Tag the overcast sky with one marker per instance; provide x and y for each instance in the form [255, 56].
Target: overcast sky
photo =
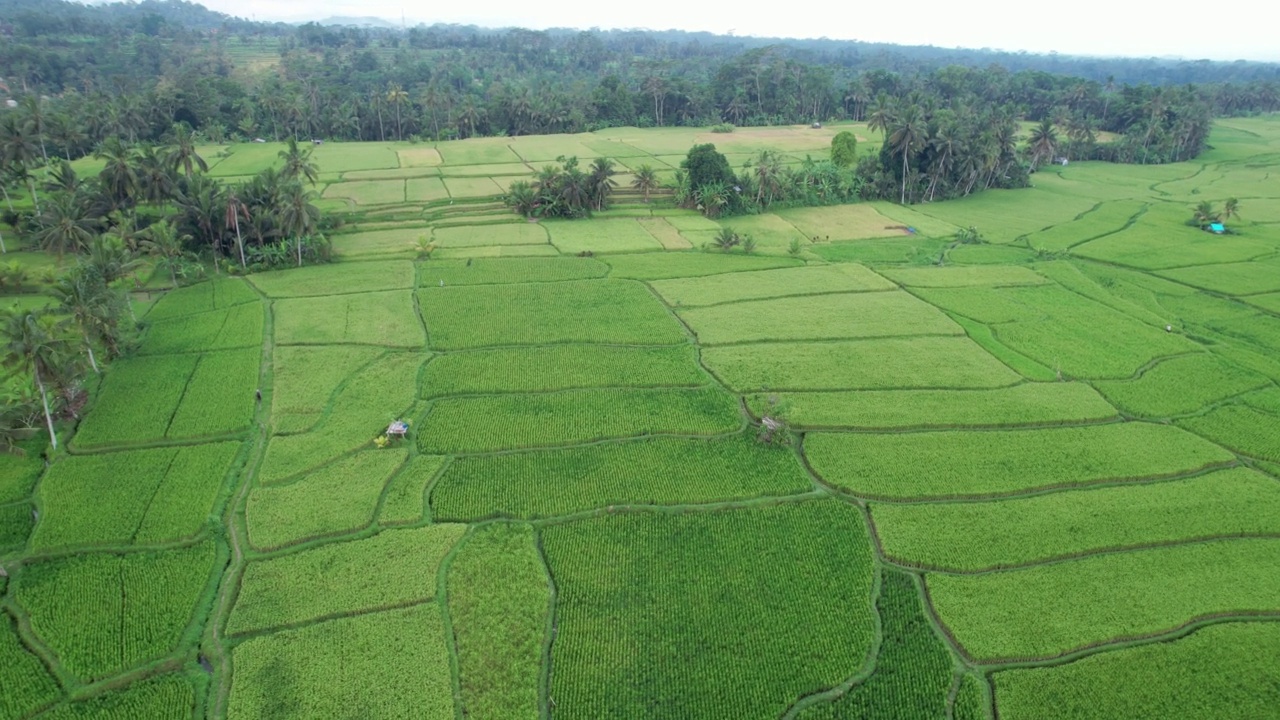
[1140, 28]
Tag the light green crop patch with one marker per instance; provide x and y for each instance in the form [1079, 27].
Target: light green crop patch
[1047, 610]
[383, 664]
[764, 284]
[381, 318]
[339, 578]
[998, 462]
[1014, 531]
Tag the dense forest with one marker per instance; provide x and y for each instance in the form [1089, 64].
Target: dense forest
[76, 76]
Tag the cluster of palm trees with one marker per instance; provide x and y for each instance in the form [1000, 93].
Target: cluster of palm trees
[50, 345]
[568, 190]
[768, 181]
[240, 221]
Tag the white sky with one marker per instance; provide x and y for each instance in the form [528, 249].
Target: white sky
[1142, 28]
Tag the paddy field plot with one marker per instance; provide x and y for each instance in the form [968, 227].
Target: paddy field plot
[913, 250]
[1247, 278]
[601, 236]
[1103, 219]
[973, 536]
[1227, 666]
[1024, 404]
[656, 266]
[768, 230]
[484, 235]
[498, 271]
[1181, 385]
[880, 364]
[657, 471]
[838, 222]
[472, 187]
[341, 278]
[386, 319]
[818, 317]
[368, 192]
[200, 298]
[238, 326]
[762, 284]
[307, 376]
[425, 190]
[583, 311]
[1047, 610]
[375, 665]
[777, 600]
[561, 367]
[987, 463]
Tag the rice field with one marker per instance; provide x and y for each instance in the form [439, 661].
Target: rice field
[884, 475]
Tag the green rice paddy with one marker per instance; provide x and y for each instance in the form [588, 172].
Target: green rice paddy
[1030, 478]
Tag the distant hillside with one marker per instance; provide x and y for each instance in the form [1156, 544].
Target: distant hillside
[364, 22]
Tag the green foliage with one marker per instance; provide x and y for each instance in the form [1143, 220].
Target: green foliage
[561, 367]
[825, 317]
[763, 284]
[570, 417]
[981, 275]
[16, 522]
[1047, 610]
[167, 697]
[19, 473]
[706, 166]
[339, 578]
[103, 613]
[383, 664]
[984, 463]
[777, 600]
[1025, 404]
[219, 396]
[380, 318]
[918, 362]
[133, 496]
[658, 471]
[498, 603]
[1218, 671]
[601, 311]
[486, 271]
[337, 498]
[405, 499]
[976, 536]
[27, 684]
[912, 675]
[366, 404]
[844, 149]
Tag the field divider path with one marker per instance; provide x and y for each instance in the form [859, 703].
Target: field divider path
[545, 702]
[214, 644]
[451, 641]
[237, 638]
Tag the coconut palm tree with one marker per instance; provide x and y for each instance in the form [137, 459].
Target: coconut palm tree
[156, 178]
[33, 345]
[298, 217]
[1043, 142]
[81, 296]
[183, 153]
[1231, 209]
[601, 182]
[64, 226]
[523, 198]
[908, 137]
[18, 153]
[646, 180]
[165, 244]
[236, 209]
[37, 121]
[298, 164]
[119, 179]
[396, 95]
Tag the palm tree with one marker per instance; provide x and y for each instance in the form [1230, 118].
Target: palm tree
[164, 243]
[768, 176]
[18, 153]
[81, 296]
[601, 182]
[396, 96]
[908, 136]
[155, 176]
[37, 121]
[523, 198]
[63, 226]
[1043, 141]
[1231, 209]
[298, 217]
[236, 209]
[183, 153]
[1205, 214]
[882, 112]
[646, 180]
[298, 164]
[119, 179]
[32, 344]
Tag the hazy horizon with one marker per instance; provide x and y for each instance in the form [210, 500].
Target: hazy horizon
[1091, 28]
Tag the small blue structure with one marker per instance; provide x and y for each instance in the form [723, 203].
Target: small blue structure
[1217, 228]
